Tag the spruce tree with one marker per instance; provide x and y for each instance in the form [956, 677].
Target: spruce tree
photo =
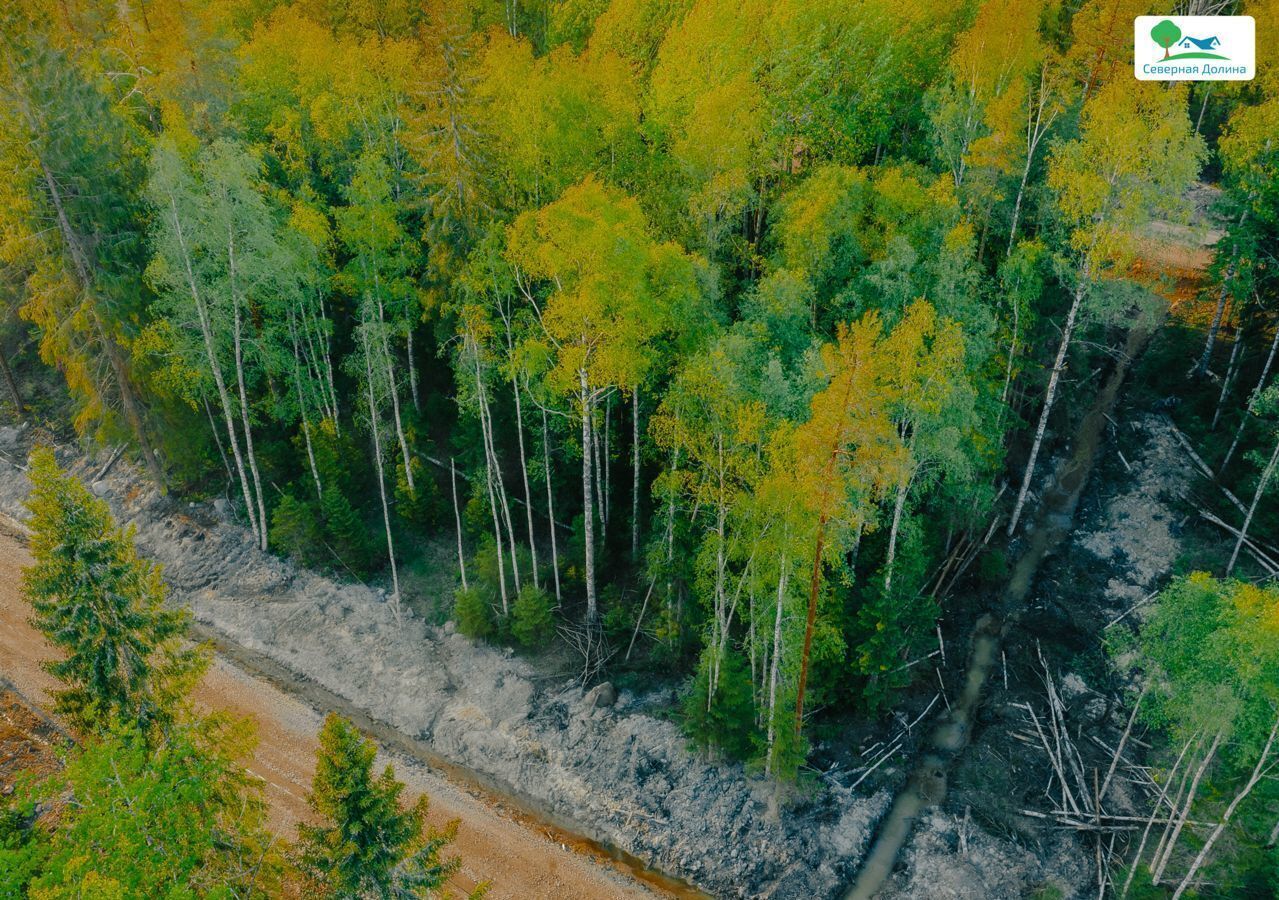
[367, 844]
[102, 605]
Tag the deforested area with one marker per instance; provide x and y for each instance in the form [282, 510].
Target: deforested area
[631, 448]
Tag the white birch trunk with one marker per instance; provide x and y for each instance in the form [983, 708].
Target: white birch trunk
[1206, 849]
[902, 490]
[1058, 366]
[381, 475]
[387, 362]
[1252, 508]
[588, 489]
[457, 520]
[215, 366]
[550, 505]
[1252, 401]
[775, 667]
[1185, 809]
[528, 494]
[244, 399]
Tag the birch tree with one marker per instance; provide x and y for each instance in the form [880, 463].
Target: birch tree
[221, 265]
[602, 290]
[1136, 157]
[379, 274]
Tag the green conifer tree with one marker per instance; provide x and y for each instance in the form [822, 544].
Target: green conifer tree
[102, 605]
[367, 844]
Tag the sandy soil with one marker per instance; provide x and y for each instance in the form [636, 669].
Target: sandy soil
[518, 859]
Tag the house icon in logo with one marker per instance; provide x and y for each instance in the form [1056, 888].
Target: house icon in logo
[1189, 43]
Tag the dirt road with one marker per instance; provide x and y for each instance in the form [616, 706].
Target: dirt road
[519, 859]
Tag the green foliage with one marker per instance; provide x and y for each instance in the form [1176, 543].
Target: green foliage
[367, 843]
[177, 818]
[1211, 648]
[22, 855]
[297, 530]
[423, 505]
[725, 719]
[532, 620]
[474, 613]
[102, 605]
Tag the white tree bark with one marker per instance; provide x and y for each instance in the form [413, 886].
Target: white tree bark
[1206, 849]
[588, 489]
[1185, 809]
[528, 495]
[388, 363]
[237, 344]
[381, 475]
[550, 505]
[1058, 366]
[1252, 401]
[1163, 793]
[215, 367]
[775, 667]
[457, 520]
[1252, 508]
[902, 490]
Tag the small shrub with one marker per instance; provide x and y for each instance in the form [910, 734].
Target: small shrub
[295, 530]
[727, 723]
[347, 536]
[473, 613]
[532, 622]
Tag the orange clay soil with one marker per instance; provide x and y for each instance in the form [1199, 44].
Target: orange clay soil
[520, 859]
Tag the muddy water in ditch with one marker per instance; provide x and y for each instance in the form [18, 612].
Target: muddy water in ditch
[927, 784]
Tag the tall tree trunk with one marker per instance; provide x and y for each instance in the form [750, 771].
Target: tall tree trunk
[1252, 402]
[528, 495]
[1058, 366]
[1021, 190]
[302, 405]
[608, 463]
[588, 489]
[1206, 356]
[381, 474]
[124, 385]
[215, 367]
[395, 399]
[1252, 508]
[408, 348]
[15, 395]
[550, 505]
[635, 473]
[213, 429]
[1185, 809]
[1206, 849]
[813, 589]
[237, 328]
[457, 519]
[1155, 810]
[1228, 382]
[902, 490]
[775, 666]
[499, 484]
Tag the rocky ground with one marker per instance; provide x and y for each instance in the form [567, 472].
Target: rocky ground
[617, 774]
[1127, 536]
[609, 771]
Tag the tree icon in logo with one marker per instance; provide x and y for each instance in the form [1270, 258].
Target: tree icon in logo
[1165, 34]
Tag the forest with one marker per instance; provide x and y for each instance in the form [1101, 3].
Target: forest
[725, 346]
